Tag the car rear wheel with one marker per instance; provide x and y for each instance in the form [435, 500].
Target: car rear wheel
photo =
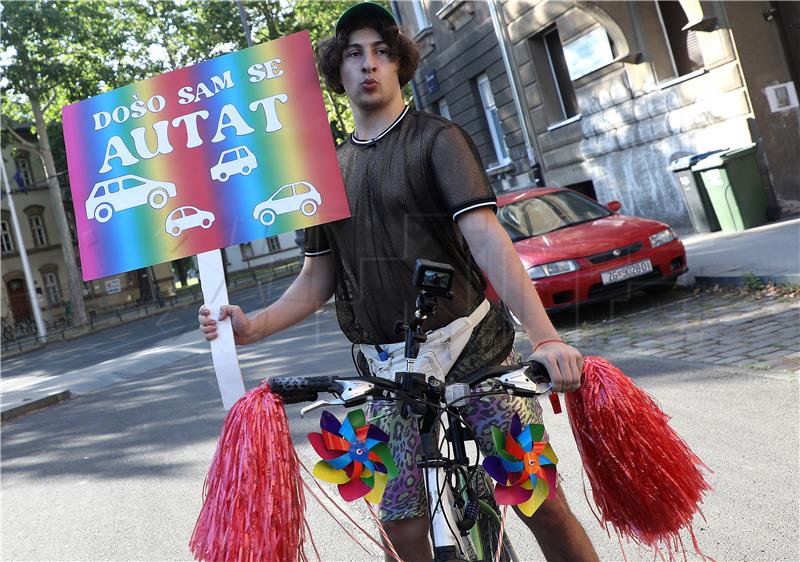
[309, 207]
[103, 212]
[175, 231]
[267, 217]
[246, 170]
[158, 198]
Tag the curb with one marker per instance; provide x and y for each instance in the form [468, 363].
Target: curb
[35, 405]
[743, 281]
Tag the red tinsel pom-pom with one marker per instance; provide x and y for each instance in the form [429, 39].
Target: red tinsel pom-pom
[254, 504]
[646, 481]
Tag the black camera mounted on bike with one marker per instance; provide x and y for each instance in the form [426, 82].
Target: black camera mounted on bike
[435, 280]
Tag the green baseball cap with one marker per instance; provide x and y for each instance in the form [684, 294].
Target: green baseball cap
[363, 10]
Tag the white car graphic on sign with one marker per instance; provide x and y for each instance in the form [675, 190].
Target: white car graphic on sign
[299, 196]
[125, 192]
[237, 160]
[187, 217]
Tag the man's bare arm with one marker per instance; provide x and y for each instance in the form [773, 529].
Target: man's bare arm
[313, 287]
[495, 254]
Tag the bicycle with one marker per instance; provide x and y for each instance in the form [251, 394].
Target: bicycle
[465, 521]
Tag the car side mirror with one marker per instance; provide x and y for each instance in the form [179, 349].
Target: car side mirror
[613, 206]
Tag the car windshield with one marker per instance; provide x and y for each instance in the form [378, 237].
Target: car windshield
[546, 213]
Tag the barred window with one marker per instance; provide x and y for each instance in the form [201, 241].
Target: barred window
[273, 244]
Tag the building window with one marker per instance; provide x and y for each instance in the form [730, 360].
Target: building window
[38, 231]
[444, 110]
[493, 119]
[24, 167]
[555, 84]
[6, 240]
[682, 45]
[273, 244]
[52, 288]
[247, 250]
[420, 15]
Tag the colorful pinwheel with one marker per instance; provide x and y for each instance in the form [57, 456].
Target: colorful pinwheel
[355, 456]
[525, 469]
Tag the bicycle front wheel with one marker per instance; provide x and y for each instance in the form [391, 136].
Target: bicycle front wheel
[487, 529]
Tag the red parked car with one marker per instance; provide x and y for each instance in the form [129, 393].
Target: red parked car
[577, 251]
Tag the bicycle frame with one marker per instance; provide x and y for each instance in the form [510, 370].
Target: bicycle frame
[424, 398]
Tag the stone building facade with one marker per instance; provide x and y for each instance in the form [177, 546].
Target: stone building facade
[42, 243]
[601, 96]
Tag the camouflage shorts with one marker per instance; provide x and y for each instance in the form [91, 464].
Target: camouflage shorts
[405, 496]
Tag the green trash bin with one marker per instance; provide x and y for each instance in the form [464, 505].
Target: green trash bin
[734, 186]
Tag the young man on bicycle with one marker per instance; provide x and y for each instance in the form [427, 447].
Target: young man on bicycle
[417, 189]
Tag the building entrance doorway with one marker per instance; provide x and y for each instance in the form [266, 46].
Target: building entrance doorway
[18, 299]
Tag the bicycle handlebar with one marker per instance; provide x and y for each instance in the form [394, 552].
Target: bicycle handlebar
[305, 389]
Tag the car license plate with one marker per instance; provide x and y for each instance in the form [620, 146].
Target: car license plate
[626, 272]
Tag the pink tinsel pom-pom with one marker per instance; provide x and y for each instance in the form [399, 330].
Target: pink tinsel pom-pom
[254, 504]
[646, 481]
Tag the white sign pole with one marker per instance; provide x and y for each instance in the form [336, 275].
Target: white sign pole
[41, 330]
[223, 348]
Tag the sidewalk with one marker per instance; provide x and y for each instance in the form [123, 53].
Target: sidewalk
[770, 252]
[24, 394]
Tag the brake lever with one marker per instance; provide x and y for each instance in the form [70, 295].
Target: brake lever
[519, 380]
[355, 389]
[320, 404]
[352, 392]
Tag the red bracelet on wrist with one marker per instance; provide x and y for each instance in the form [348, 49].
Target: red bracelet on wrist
[541, 343]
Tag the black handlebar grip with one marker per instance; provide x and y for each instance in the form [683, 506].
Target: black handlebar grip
[302, 389]
[537, 372]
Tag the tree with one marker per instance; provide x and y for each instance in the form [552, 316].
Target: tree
[57, 53]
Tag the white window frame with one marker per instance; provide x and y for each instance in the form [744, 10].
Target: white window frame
[24, 167]
[419, 13]
[38, 231]
[6, 239]
[273, 244]
[52, 288]
[444, 109]
[490, 111]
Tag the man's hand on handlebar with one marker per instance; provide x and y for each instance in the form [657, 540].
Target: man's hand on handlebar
[563, 362]
[243, 327]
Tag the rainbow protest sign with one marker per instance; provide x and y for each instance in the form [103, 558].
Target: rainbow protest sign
[216, 154]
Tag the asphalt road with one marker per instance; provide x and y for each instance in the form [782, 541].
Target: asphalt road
[130, 337]
[118, 474]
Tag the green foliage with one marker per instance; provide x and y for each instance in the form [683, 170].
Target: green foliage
[61, 52]
[65, 51]
[752, 282]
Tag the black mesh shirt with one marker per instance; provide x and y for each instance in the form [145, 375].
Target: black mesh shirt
[405, 188]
